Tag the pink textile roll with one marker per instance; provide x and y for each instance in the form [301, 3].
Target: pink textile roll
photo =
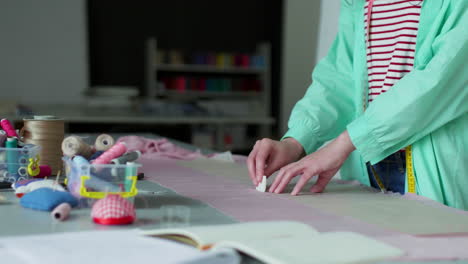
[8, 127]
[44, 171]
[61, 212]
[114, 152]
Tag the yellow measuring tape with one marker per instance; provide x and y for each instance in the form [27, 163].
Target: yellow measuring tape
[378, 180]
[410, 171]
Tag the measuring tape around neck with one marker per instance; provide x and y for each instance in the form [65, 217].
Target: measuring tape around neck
[409, 170]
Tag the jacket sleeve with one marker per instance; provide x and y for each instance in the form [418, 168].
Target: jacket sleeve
[318, 116]
[427, 98]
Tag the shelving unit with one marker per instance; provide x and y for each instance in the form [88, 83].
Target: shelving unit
[259, 101]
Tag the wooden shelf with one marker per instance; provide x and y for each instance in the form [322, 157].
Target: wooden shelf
[206, 94]
[257, 100]
[81, 114]
[208, 69]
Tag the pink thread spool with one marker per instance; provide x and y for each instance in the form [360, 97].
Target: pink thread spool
[44, 171]
[114, 152]
[9, 129]
[61, 212]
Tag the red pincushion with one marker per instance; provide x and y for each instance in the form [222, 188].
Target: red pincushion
[113, 210]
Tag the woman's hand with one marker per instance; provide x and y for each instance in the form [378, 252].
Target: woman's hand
[325, 163]
[267, 156]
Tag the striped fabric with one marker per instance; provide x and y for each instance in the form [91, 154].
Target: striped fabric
[391, 43]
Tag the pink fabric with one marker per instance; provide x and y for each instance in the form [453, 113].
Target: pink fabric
[158, 148]
[429, 248]
[244, 203]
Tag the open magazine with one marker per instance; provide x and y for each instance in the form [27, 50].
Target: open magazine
[281, 242]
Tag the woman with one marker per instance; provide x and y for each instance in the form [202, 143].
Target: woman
[397, 92]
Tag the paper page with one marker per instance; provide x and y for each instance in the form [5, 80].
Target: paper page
[7, 257]
[208, 235]
[105, 247]
[333, 247]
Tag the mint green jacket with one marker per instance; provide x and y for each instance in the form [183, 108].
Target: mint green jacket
[428, 108]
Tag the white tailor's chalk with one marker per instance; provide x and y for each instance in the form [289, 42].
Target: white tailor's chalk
[261, 187]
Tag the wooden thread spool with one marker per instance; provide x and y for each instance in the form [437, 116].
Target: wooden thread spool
[46, 132]
[104, 142]
[74, 145]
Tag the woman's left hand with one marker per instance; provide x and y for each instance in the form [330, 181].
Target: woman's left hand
[324, 163]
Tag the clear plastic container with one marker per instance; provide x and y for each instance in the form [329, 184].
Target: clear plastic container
[19, 163]
[97, 181]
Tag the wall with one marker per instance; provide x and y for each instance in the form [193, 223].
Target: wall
[309, 29]
[328, 27]
[43, 50]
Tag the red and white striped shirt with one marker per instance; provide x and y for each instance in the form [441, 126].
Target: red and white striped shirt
[391, 43]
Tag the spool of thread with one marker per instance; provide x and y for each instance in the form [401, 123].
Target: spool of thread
[12, 156]
[44, 171]
[130, 171]
[127, 157]
[2, 157]
[44, 117]
[94, 183]
[80, 161]
[3, 175]
[96, 155]
[80, 165]
[61, 212]
[74, 145]
[9, 129]
[48, 133]
[22, 171]
[115, 151]
[23, 160]
[104, 142]
[3, 138]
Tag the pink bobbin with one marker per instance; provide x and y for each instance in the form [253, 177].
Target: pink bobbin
[44, 171]
[61, 212]
[9, 129]
[114, 152]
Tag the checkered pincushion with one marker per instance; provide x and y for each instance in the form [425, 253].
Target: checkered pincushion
[113, 210]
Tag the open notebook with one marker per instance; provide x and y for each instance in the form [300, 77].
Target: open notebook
[281, 242]
[103, 247]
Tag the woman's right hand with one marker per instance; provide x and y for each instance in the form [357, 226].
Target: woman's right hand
[268, 156]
